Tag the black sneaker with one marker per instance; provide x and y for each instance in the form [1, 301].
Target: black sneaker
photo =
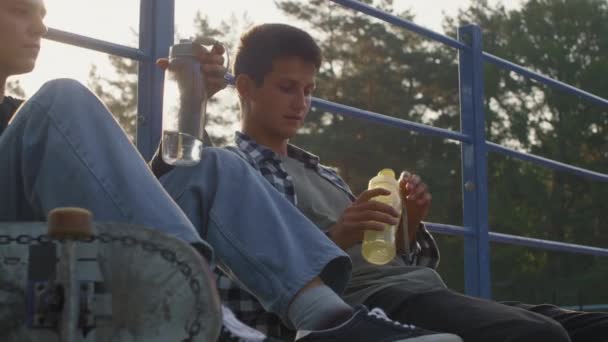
[234, 330]
[374, 326]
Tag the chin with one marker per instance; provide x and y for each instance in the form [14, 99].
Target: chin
[289, 134]
[24, 67]
[29, 67]
[21, 71]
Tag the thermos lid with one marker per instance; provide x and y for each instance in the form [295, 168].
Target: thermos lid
[185, 48]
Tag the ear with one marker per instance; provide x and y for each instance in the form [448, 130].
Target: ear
[244, 85]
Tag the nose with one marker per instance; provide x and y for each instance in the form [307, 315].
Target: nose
[301, 100]
[38, 28]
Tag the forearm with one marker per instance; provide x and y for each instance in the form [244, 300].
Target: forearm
[400, 239]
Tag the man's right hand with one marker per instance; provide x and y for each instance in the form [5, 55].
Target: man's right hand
[363, 214]
[212, 66]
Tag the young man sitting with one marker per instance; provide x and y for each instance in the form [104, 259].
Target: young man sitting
[275, 68]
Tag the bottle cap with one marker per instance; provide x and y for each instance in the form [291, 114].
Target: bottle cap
[387, 173]
[386, 177]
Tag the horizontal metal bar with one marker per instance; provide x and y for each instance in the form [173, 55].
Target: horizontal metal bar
[397, 21]
[387, 120]
[380, 118]
[447, 229]
[520, 240]
[95, 44]
[596, 176]
[502, 63]
[493, 147]
[548, 245]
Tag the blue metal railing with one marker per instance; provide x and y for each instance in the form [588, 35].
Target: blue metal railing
[474, 148]
[474, 165]
[503, 64]
[156, 35]
[95, 44]
[389, 120]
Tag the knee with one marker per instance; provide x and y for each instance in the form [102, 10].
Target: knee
[214, 162]
[52, 95]
[225, 159]
[220, 153]
[64, 92]
[545, 330]
[556, 332]
[65, 87]
[70, 100]
[60, 94]
[520, 325]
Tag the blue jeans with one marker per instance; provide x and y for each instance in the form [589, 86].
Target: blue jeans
[63, 148]
[254, 230]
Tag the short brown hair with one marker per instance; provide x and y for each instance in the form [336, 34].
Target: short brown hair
[263, 44]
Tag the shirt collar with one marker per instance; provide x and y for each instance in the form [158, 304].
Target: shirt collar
[246, 143]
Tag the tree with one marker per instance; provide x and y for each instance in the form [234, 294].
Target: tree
[566, 40]
[119, 93]
[14, 88]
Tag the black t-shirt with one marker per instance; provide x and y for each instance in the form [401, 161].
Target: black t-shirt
[7, 109]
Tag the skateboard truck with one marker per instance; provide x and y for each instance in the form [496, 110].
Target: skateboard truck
[124, 283]
[60, 299]
[47, 305]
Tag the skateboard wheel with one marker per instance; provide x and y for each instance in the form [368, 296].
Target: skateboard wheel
[70, 223]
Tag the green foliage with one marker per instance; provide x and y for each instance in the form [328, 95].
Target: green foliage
[119, 93]
[566, 40]
[13, 88]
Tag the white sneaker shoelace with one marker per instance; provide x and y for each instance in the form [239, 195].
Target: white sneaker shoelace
[379, 313]
[239, 329]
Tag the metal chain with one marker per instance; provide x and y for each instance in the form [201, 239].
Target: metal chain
[192, 329]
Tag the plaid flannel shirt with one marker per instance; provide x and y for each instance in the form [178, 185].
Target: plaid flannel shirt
[424, 251]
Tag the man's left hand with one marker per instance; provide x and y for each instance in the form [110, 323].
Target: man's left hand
[416, 201]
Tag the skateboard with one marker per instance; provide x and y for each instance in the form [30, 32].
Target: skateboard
[71, 280]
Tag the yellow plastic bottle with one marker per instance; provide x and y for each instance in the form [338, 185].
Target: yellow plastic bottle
[379, 246]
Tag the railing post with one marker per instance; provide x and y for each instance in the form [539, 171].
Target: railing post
[156, 29]
[474, 164]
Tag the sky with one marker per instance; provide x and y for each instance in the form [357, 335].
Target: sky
[117, 20]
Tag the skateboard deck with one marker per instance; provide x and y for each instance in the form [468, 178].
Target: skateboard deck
[123, 283]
